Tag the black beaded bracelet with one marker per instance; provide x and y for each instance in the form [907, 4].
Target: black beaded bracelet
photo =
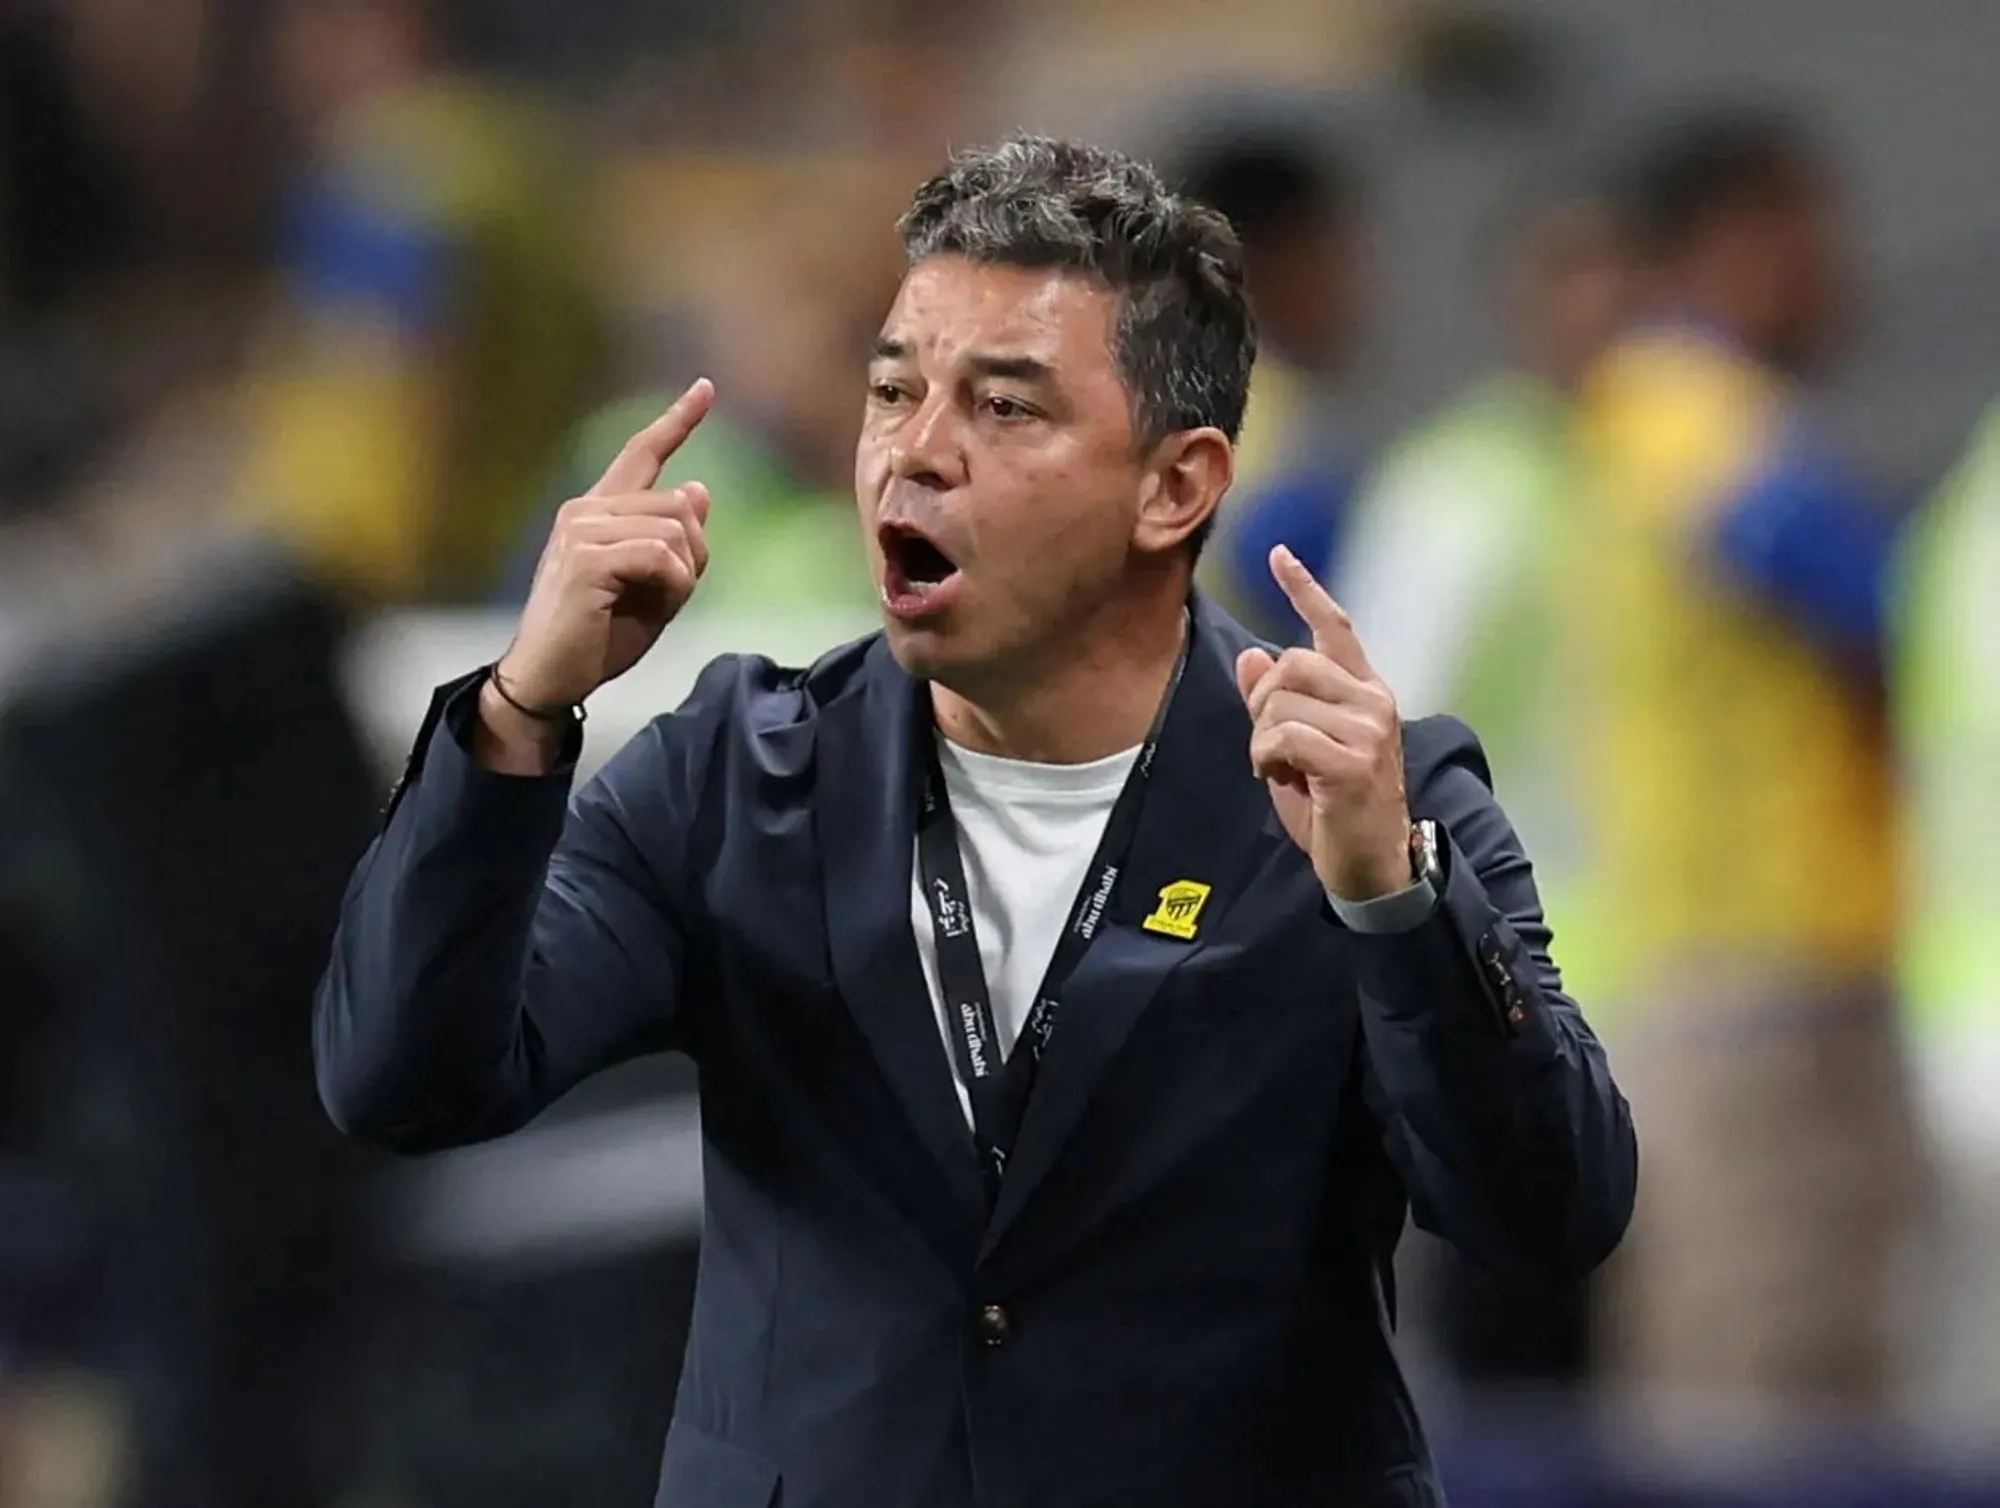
[573, 713]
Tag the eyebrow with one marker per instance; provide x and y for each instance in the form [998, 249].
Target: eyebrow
[985, 364]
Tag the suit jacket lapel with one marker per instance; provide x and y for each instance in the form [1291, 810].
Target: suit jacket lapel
[1207, 819]
[865, 814]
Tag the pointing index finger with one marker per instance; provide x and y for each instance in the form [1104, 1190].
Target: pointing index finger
[637, 466]
[1332, 630]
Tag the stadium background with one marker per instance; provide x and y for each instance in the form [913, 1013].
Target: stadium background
[310, 309]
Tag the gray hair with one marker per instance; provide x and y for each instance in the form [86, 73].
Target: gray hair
[1184, 340]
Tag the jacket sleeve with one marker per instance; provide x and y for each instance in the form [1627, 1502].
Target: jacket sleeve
[500, 941]
[1496, 1101]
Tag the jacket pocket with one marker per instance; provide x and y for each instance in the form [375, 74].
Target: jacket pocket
[702, 1471]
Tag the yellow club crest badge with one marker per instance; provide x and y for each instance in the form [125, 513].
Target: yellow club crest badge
[1179, 911]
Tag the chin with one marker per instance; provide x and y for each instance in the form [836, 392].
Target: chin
[926, 653]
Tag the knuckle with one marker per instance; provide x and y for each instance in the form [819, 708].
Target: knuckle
[1296, 664]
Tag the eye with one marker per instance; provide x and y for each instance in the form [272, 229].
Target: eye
[887, 394]
[1000, 406]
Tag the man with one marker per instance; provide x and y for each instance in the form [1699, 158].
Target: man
[1142, 1256]
[1740, 790]
[1945, 680]
[1295, 211]
[1478, 503]
[429, 276]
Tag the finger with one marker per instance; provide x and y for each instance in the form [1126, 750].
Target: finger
[1251, 667]
[1294, 752]
[1310, 672]
[684, 534]
[639, 562]
[638, 465]
[1357, 728]
[690, 499]
[1332, 630]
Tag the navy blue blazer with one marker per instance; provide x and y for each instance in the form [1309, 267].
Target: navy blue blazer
[1182, 1298]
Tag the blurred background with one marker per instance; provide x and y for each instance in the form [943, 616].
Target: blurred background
[1627, 364]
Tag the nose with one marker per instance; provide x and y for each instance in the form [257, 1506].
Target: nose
[926, 448]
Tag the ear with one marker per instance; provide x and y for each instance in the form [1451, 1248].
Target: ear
[1186, 477]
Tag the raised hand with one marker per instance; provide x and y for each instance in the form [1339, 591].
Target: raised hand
[621, 561]
[1327, 739]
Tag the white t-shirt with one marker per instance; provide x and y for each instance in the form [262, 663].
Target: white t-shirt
[1026, 833]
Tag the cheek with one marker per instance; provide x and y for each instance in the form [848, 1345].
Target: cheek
[1062, 525]
[871, 468]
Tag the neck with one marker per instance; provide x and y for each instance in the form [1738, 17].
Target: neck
[1096, 695]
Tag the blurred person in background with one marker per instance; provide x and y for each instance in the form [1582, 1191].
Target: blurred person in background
[1296, 206]
[440, 336]
[1731, 601]
[1947, 701]
[1478, 503]
[1945, 680]
[129, 197]
[1459, 552]
[807, 299]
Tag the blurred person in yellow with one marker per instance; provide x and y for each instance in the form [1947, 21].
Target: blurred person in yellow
[439, 334]
[1295, 207]
[1730, 600]
[1459, 549]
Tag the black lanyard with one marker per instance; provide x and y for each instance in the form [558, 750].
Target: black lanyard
[1000, 1090]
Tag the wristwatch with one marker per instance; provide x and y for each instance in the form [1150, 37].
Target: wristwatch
[1429, 855]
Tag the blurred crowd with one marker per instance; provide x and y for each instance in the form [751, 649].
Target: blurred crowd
[381, 282]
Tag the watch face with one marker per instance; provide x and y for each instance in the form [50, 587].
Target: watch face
[1427, 853]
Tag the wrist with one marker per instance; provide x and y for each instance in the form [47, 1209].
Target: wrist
[510, 741]
[1391, 871]
[537, 695]
[1357, 886]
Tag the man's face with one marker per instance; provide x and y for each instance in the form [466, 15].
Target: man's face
[331, 53]
[1775, 267]
[1572, 291]
[1305, 283]
[1802, 277]
[996, 474]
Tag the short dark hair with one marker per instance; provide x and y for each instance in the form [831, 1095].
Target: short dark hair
[1269, 182]
[1184, 341]
[1694, 169]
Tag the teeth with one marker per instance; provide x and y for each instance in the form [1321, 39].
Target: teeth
[907, 589]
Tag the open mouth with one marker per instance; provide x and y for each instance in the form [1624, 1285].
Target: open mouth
[917, 575]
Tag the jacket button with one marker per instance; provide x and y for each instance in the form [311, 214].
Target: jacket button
[993, 1326]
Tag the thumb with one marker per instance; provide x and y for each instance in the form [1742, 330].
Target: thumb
[1251, 667]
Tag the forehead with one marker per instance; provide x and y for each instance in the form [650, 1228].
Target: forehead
[951, 308]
